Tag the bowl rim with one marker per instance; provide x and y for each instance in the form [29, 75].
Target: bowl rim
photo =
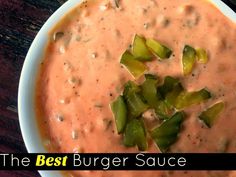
[26, 88]
[225, 9]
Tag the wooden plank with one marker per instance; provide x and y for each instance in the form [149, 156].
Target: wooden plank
[20, 22]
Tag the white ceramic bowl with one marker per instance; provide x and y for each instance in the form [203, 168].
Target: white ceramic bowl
[27, 84]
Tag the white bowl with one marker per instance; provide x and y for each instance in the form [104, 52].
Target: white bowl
[27, 85]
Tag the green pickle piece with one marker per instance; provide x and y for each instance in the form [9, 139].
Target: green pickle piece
[130, 87]
[172, 88]
[169, 84]
[166, 134]
[163, 110]
[119, 110]
[188, 59]
[135, 67]
[149, 90]
[135, 101]
[135, 134]
[158, 49]
[202, 55]
[172, 96]
[140, 50]
[186, 99]
[136, 105]
[210, 115]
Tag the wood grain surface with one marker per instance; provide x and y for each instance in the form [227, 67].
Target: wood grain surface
[20, 20]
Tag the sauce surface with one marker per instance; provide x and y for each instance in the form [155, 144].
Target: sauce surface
[80, 75]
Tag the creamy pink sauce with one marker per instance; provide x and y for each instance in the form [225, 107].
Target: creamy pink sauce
[81, 74]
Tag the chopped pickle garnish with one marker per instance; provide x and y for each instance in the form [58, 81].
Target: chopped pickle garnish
[169, 83]
[135, 134]
[119, 110]
[149, 90]
[140, 50]
[163, 110]
[165, 99]
[172, 96]
[130, 87]
[134, 99]
[166, 134]
[210, 115]
[201, 55]
[158, 49]
[151, 76]
[135, 67]
[188, 59]
[136, 105]
[186, 99]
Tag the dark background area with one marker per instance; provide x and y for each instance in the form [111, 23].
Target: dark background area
[20, 20]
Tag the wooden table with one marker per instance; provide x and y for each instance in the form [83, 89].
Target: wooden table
[20, 20]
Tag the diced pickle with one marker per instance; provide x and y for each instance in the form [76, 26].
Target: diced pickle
[166, 134]
[172, 96]
[135, 101]
[119, 110]
[158, 49]
[201, 55]
[130, 87]
[135, 134]
[186, 99]
[140, 50]
[210, 115]
[163, 110]
[149, 90]
[135, 67]
[188, 59]
[151, 76]
[136, 105]
[169, 84]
